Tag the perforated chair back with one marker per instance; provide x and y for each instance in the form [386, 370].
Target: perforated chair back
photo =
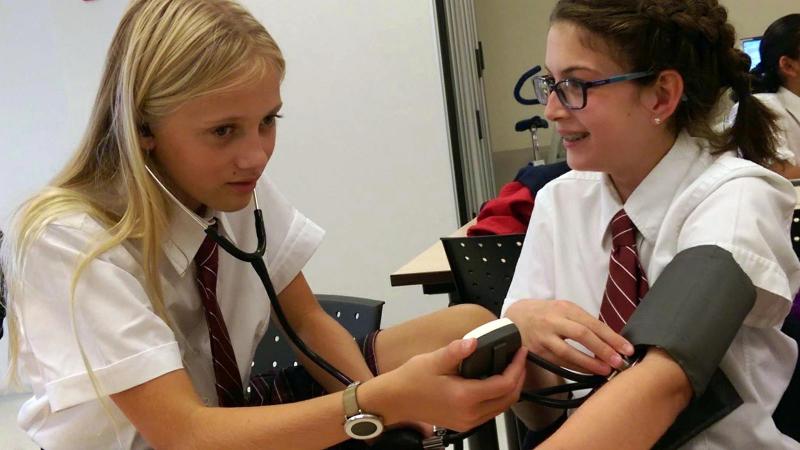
[795, 232]
[359, 316]
[482, 267]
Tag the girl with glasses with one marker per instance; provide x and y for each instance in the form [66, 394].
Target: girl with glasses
[134, 333]
[632, 87]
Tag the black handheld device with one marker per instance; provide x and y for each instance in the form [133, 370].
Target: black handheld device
[498, 342]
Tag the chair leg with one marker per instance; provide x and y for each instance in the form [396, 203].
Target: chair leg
[512, 430]
[485, 438]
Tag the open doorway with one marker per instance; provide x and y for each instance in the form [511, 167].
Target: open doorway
[486, 47]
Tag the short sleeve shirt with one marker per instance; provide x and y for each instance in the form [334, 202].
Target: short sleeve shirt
[125, 342]
[690, 198]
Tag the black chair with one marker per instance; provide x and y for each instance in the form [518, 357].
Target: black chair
[482, 268]
[359, 316]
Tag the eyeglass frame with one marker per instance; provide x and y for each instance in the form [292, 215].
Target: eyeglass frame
[553, 86]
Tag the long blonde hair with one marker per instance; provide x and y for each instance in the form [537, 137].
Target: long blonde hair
[164, 52]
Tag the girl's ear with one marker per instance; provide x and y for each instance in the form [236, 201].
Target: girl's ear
[664, 95]
[789, 67]
[146, 138]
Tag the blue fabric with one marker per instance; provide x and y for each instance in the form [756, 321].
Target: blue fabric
[535, 177]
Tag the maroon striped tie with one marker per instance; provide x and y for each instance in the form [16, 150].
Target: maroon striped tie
[627, 282]
[226, 372]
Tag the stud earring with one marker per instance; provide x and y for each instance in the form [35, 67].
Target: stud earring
[657, 121]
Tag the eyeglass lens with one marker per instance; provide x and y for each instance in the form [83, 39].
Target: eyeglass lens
[570, 92]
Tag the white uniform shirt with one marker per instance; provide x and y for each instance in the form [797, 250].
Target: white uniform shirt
[690, 198]
[126, 343]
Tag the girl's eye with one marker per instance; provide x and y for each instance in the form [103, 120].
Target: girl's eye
[222, 131]
[270, 120]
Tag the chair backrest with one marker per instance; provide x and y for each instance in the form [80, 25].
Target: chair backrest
[795, 232]
[482, 267]
[359, 316]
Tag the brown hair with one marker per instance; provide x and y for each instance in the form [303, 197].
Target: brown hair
[694, 38]
[782, 38]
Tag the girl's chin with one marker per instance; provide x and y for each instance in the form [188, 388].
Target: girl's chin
[230, 203]
[579, 161]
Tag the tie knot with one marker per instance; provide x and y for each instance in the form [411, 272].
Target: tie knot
[623, 231]
[207, 254]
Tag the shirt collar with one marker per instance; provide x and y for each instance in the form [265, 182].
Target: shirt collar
[184, 236]
[791, 102]
[649, 202]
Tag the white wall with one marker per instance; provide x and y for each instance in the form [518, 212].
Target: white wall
[362, 150]
[751, 19]
[514, 35]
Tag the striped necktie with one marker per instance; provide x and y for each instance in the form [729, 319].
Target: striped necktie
[228, 380]
[627, 282]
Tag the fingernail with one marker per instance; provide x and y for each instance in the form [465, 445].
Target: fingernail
[465, 343]
[627, 349]
[616, 361]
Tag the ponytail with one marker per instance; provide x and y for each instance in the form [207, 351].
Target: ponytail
[755, 129]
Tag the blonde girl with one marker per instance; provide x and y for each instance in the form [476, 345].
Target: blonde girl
[107, 321]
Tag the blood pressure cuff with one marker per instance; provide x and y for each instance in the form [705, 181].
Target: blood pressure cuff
[693, 312]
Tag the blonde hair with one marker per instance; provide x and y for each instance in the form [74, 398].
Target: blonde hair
[164, 52]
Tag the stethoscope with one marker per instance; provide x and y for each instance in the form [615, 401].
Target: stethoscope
[442, 436]
[256, 259]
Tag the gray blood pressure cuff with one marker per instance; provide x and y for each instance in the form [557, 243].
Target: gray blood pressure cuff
[693, 312]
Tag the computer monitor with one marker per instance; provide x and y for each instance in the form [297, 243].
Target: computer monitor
[750, 46]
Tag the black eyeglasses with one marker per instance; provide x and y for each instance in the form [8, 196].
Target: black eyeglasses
[572, 92]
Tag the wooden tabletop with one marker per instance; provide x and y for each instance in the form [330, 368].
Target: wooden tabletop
[429, 267]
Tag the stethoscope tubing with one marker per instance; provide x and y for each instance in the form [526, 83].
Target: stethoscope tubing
[256, 260]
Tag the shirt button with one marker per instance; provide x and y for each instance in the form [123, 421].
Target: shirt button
[206, 401]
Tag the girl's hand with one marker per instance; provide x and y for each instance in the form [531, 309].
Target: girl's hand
[429, 389]
[545, 324]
